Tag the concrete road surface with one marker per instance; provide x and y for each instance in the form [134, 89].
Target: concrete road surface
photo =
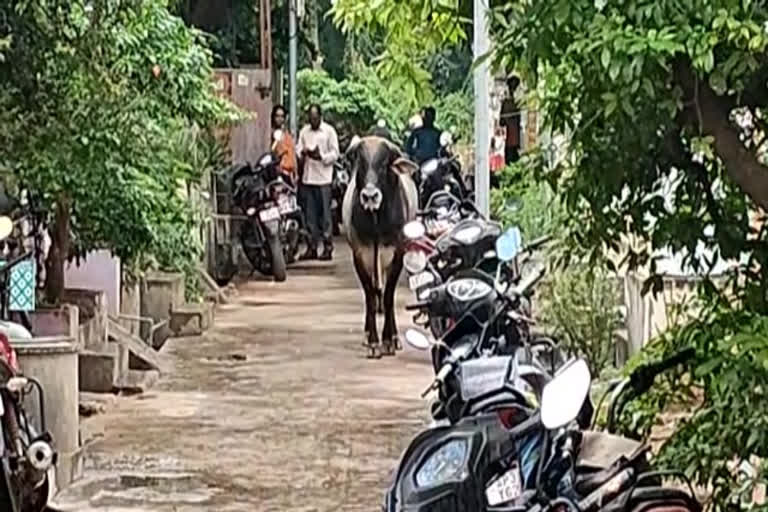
[275, 409]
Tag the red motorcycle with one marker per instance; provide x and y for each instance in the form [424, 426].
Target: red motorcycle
[26, 457]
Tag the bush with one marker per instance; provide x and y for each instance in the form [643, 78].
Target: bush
[579, 305]
[540, 212]
[724, 390]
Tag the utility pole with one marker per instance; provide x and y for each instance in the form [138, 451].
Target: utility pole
[482, 108]
[293, 36]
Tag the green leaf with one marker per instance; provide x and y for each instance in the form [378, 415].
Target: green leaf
[615, 70]
[605, 57]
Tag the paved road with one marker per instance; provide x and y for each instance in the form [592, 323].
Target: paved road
[275, 409]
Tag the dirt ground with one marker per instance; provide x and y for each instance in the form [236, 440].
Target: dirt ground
[276, 408]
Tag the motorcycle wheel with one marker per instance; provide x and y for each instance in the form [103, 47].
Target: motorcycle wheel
[279, 271]
[10, 499]
[292, 238]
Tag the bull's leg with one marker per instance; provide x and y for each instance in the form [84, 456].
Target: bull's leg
[389, 335]
[366, 281]
[379, 302]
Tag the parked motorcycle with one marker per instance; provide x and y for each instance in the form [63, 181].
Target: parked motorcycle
[506, 454]
[270, 237]
[27, 458]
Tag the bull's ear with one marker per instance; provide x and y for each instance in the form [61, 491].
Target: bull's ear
[404, 166]
[353, 145]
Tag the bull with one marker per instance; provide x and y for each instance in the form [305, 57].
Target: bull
[380, 199]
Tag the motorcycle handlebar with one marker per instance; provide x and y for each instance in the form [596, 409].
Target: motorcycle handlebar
[535, 244]
[417, 306]
[642, 378]
[526, 284]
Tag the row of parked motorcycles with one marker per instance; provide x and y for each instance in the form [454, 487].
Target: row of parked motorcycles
[514, 427]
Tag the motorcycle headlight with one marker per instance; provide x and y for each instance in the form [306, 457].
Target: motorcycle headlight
[250, 211]
[415, 261]
[265, 160]
[468, 234]
[446, 462]
[469, 289]
[429, 167]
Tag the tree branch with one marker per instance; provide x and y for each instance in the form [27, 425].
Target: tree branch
[741, 164]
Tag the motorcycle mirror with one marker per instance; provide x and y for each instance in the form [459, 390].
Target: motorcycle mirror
[508, 244]
[563, 396]
[6, 227]
[414, 229]
[417, 339]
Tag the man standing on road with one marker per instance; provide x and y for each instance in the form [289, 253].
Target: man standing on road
[424, 142]
[318, 148]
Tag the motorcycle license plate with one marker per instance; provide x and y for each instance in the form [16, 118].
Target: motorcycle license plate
[269, 214]
[506, 488]
[416, 281]
[287, 204]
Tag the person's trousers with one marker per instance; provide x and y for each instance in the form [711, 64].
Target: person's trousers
[317, 204]
[511, 154]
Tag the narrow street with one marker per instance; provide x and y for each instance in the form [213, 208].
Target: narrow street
[274, 409]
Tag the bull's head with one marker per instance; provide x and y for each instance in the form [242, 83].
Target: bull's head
[377, 164]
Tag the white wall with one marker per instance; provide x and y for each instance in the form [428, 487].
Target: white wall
[99, 271]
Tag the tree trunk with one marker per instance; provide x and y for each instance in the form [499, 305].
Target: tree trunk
[709, 114]
[58, 253]
[313, 32]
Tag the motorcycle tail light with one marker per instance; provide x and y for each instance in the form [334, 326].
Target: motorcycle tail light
[510, 417]
[8, 353]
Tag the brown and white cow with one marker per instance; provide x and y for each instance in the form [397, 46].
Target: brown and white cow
[380, 199]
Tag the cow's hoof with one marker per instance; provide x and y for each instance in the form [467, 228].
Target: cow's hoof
[388, 350]
[373, 352]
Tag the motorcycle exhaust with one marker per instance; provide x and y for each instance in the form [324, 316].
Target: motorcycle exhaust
[40, 455]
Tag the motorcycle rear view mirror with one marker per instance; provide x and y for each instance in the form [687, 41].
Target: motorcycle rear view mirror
[508, 244]
[417, 339]
[414, 229]
[6, 227]
[563, 396]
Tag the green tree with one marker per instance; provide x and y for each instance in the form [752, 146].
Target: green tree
[95, 95]
[664, 107]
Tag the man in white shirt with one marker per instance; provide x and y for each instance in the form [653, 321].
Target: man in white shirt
[318, 149]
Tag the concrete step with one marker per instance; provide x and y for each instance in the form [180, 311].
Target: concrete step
[98, 371]
[137, 381]
[192, 319]
[148, 358]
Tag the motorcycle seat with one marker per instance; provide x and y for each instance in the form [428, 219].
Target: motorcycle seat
[654, 499]
[599, 450]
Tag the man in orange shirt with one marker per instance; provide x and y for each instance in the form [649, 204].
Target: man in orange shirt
[285, 149]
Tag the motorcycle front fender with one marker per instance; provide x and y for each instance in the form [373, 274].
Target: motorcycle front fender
[271, 228]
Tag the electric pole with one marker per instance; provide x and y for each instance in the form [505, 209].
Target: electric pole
[293, 36]
[482, 108]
